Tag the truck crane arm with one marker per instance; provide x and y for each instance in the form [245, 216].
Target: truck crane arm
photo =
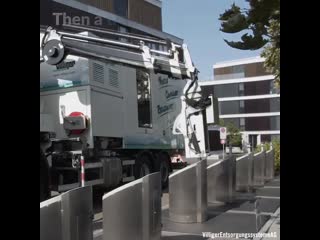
[56, 45]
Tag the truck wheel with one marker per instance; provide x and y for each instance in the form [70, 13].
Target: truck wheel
[164, 170]
[143, 166]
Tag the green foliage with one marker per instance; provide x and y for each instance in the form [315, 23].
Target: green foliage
[257, 149]
[276, 148]
[267, 146]
[263, 20]
[234, 136]
[272, 51]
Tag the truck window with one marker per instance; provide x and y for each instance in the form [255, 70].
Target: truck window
[144, 98]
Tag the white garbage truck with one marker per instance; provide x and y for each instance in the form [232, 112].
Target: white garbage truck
[113, 109]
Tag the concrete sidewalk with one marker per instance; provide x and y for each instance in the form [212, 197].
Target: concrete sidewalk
[274, 227]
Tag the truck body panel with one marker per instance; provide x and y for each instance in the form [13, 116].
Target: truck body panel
[107, 95]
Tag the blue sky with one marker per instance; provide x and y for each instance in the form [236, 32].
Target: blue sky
[196, 21]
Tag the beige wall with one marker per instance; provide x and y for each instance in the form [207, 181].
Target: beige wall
[138, 10]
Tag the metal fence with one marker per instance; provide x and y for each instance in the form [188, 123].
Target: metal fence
[188, 194]
[222, 180]
[133, 211]
[67, 216]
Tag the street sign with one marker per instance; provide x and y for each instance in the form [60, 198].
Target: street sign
[223, 133]
[223, 137]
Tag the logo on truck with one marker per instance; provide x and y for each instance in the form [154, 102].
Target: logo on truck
[162, 110]
[163, 81]
[65, 65]
[171, 94]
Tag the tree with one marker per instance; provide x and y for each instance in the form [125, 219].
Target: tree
[263, 20]
[234, 136]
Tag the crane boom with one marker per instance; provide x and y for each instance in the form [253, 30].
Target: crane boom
[175, 62]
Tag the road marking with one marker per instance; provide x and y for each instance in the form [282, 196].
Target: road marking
[268, 197]
[178, 233]
[268, 224]
[240, 212]
[165, 207]
[97, 233]
[98, 216]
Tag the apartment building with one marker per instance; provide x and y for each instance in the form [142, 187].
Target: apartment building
[247, 98]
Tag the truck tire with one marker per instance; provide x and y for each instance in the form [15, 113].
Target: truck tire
[44, 178]
[164, 169]
[143, 166]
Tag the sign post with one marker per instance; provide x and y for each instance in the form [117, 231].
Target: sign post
[223, 137]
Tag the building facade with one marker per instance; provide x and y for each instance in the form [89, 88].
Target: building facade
[129, 16]
[247, 98]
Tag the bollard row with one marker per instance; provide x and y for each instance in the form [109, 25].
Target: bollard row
[133, 211]
[193, 187]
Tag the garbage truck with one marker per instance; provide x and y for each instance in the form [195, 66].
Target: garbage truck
[113, 108]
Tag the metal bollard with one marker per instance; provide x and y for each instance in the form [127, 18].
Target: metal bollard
[258, 169]
[188, 194]
[232, 179]
[77, 214]
[67, 216]
[222, 181]
[50, 219]
[244, 169]
[133, 211]
[258, 214]
[269, 165]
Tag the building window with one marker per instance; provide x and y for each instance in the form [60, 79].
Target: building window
[242, 124]
[120, 7]
[273, 89]
[238, 69]
[241, 89]
[123, 30]
[241, 106]
[144, 99]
